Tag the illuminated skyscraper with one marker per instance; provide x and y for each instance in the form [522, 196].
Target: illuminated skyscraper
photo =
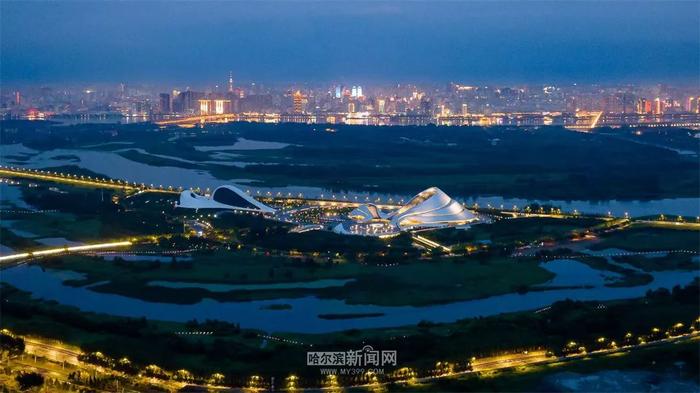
[203, 107]
[214, 106]
[359, 91]
[298, 100]
[353, 92]
[465, 109]
[338, 91]
[658, 106]
[641, 106]
[230, 82]
[381, 105]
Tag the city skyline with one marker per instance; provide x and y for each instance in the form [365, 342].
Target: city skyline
[376, 42]
[350, 196]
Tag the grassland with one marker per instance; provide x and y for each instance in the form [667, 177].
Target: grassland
[515, 232]
[655, 263]
[414, 282]
[647, 238]
[547, 163]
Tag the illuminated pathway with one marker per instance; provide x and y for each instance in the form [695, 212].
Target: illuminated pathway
[201, 119]
[136, 188]
[430, 243]
[63, 250]
[60, 352]
[81, 180]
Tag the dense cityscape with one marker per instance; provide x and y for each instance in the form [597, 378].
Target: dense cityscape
[448, 104]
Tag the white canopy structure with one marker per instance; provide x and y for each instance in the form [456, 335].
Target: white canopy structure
[364, 213]
[431, 208]
[223, 198]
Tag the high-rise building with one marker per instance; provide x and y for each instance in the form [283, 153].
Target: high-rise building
[230, 82]
[658, 108]
[465, 109]
[353, 92]
[381, 105]
[190, 100]
[214, 106]
[690, 104]
[426, 107]
[338, 91]
[175, 102]
[359, 91]
[641, 107]
[628, 103]
[164, 106]
[298, 101]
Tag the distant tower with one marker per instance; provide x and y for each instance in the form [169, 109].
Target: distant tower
[381, 105]
[230, 82]
[641, 106]
[298, 102]
[164, 103]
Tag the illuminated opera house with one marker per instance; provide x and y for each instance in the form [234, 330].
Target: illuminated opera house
[223, 198]
[431, 208]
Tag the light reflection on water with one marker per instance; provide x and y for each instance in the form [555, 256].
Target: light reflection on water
[113, 165]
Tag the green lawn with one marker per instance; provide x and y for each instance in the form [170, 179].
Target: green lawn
[515, 232]
[414, 282]
[645, 238]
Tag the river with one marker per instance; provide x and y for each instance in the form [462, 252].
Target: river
[303, 316]
[113, 165]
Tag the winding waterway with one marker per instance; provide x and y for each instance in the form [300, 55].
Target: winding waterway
[303, 315]
[113, 165]
[304, 311]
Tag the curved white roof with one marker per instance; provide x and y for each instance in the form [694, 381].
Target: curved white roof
[431, 208]
[224, 197]
[368, 212]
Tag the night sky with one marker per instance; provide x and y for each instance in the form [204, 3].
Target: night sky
[363, 42]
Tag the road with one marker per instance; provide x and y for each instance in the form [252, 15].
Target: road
[11, 171]
[60, 352]
[7, 260]
[505, 362]
[52, 350]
